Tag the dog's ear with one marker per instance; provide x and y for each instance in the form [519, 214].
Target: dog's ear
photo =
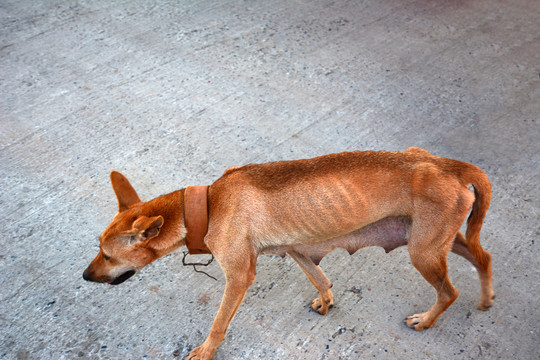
[145, 228]
[125, 193]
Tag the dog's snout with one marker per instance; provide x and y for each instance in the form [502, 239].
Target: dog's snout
[86, 274]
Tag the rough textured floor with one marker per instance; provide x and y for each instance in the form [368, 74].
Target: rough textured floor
[172, 93]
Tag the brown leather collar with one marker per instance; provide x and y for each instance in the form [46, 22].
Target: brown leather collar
[196, 218]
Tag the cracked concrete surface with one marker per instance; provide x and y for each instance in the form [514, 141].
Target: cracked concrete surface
[172, 93]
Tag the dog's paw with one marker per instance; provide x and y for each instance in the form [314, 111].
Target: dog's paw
[418, 321]
[200, 353]
[485, 304]
[320, 306]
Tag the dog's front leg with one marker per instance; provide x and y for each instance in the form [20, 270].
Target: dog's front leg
[239, 276]
[318, 279]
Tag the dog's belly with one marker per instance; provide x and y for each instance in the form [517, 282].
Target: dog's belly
[388, 233]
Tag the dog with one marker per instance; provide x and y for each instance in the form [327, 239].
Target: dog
[307, 208]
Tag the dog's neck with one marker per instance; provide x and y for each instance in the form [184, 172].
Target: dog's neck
[174, 232]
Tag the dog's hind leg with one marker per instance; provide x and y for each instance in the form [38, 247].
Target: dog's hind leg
[318, 279]
[428, 250]
[482, 262]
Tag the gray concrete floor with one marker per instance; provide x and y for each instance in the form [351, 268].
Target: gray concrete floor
[172, 93]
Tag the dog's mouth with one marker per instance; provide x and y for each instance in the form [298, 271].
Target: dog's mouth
[123, 277]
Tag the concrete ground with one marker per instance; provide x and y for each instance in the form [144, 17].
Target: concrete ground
[172, 93]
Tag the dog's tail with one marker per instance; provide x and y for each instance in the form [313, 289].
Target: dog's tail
[482, 191]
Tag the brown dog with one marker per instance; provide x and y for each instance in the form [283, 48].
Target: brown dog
[307, 208]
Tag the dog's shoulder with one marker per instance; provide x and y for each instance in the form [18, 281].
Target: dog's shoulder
[231, 170]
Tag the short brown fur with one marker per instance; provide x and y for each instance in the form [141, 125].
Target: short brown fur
[307, 208]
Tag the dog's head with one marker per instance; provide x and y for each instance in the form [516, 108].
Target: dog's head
[131, 241]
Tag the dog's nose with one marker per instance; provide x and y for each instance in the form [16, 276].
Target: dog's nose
[86, 276]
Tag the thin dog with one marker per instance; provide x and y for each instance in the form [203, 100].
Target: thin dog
[307, 208]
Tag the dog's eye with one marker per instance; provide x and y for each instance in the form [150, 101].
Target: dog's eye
[106, 257]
